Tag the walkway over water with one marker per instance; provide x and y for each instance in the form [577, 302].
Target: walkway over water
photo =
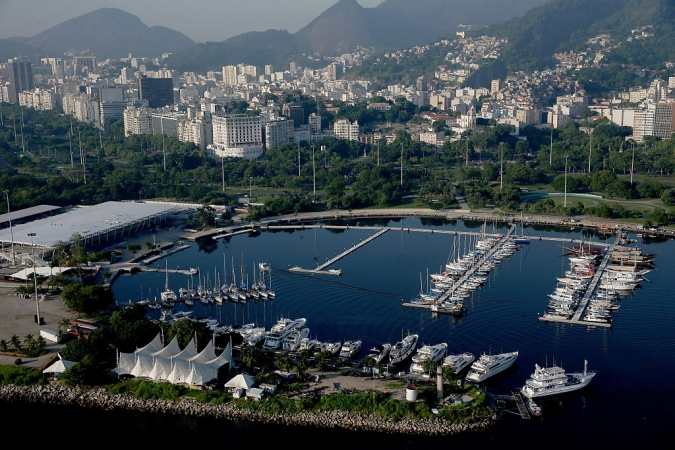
[579, 313]
[450, 292]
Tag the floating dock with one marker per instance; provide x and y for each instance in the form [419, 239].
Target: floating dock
[520, 404]
[165, 253]
[581, 309]
[321, 269]
[469, 273]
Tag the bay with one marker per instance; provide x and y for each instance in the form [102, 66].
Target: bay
[627, 402]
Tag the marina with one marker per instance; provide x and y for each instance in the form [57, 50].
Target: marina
[365, 304]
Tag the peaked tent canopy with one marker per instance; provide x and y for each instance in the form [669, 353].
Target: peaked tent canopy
[243, 381]
[59, 366]
[208, 354]
[170, 350]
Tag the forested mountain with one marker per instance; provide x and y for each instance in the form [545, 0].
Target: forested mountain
[107, 33]
[564, 25]
[393, 24]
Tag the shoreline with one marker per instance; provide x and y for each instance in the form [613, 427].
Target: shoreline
[345, 420]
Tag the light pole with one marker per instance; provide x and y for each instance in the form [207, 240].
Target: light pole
[250, 188]
[37, 300]
[565, 201]
[11, 233]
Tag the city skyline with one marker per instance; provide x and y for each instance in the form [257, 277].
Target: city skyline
[199, 20]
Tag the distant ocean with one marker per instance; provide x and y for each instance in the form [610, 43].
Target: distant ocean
[628, 402]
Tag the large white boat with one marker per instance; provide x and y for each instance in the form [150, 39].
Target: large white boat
[350, 348]
[490, 365]
[332, 347]
[294, 339]
[379, 352]
[275, 338]
[434, 353]
[459, 362]
[554, 380]
[403, 349]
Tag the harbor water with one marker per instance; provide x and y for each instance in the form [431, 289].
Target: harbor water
[627, 402]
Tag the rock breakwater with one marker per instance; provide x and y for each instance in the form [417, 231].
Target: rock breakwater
[99, 398]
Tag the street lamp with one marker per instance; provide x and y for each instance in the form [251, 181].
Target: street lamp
[37, 300]
[250, 187]
[11, 233]
[565, 201]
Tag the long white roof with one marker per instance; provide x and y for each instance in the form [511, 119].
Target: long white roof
[85, 221]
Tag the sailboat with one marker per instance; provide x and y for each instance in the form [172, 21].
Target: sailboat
[522, 239]
[167, 296]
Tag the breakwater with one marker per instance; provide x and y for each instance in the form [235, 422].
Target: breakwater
[100, 399]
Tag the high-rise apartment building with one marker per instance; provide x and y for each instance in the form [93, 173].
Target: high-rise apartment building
[20, 78]
[157, 91]
[137, 121]
[230, 74]
[276, 133]
[343, 129]
[237, 135]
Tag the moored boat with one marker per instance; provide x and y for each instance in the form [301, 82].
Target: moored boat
[403, 349]
[490, 365]
[554, 380]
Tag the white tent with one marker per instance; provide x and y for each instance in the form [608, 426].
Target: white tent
[143, 367]
[242, 380]
[127, 361]
[162, 365]
[169, 351]
[180, 372]
[208, 354]
[161, 369]
[59, 366]
[188, 352]
[201, 373]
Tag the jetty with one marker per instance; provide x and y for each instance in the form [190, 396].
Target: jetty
[468, 274]
[163, 254]
[520, 404]
[321, 269]
[583, 304]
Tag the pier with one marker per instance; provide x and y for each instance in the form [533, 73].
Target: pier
[581, 309]
[321, 269]
[165, 253]
[520, 404]
[468, 274]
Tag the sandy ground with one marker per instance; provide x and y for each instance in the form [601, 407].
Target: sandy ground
[17, 316]
[396, 387]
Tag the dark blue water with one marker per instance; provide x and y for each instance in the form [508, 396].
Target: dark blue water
[628, 401]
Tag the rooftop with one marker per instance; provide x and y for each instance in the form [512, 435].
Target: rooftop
[85, 221]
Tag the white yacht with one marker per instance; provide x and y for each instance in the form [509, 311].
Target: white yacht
[308, 344]
[403, 349]
[489, 365]
[332, 347]
[275, 337]
[554, 380]
[459, 362]
[350, 348]
[434, 353]
[294, 339]
[379, 352]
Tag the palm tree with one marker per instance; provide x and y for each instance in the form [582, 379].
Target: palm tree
[15, 342]
[29, 341]
[4, 346]
[64, 324]
[41, 342]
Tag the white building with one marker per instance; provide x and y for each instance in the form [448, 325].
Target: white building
[276, 132]
[196, 130]
[38, 98]
[137, 121]
[343, 129]
[238, 136]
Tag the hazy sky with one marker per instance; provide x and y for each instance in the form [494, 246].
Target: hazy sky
[201, 20]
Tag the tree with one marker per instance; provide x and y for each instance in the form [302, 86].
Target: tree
[429, 366]
[4, 346]
[15, 342]
[668, 197]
